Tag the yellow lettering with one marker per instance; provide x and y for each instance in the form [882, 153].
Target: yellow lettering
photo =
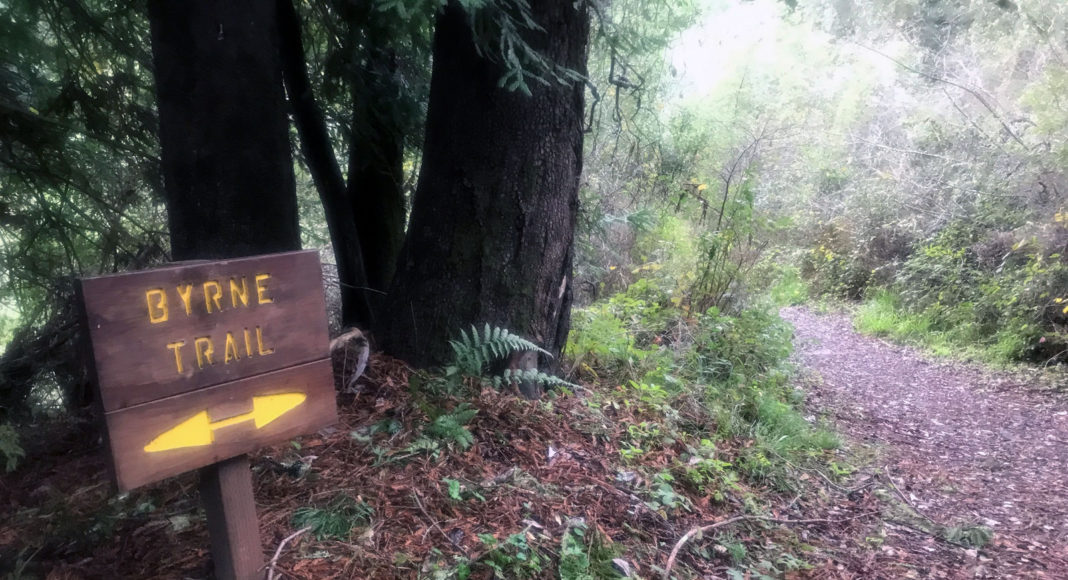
[236, 292]
[261, 289]
[157, 305]
[231, 347]
[248, 343]
[185, 292]
[212, 297]
[176, 346]
[259, 343]
[204, 349]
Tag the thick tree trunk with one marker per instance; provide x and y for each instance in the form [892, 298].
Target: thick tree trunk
[366, 215]
[319, 155]
[228, 178]
[224, 134]
[376, 175]
[490, 238]
[376, 143]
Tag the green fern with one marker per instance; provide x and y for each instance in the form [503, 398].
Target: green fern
[9, 447]
[515, 376]
[423, 445]
[336, 519]
[473, 352]
[452, 427]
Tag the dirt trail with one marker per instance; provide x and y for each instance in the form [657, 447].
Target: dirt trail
[965, 445]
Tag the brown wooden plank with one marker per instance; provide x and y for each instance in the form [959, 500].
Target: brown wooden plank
[140, 328]
[130, 430]
[230, 507]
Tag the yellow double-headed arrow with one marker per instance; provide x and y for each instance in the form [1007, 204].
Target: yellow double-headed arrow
[199, 430]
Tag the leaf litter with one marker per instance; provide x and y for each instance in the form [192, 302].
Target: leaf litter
[980, 454]
[968, 449]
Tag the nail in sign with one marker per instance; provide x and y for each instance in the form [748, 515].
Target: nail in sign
[201, 362]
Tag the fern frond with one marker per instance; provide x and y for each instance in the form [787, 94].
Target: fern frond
[472, 352]
[515, 376]
[451, 427]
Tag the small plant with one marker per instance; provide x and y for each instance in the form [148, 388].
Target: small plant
[643, 437]
[664, 498]
[453, 488]
[972, 536]
[10, 448]
[452, 427]
[586, 554]
[474, 352]
[336, 519]
[650, 393]
[438, 567]
[736, 550]
[420, 445]
[512, 558]
[574, 559]
[460, 492]
[705, 473]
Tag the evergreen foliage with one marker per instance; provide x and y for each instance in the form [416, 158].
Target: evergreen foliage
[451, 426]
[336, 519]
[474, 352]
[9, 447]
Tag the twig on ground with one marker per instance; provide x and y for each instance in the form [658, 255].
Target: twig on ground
[278, 552]
[435, 525]
[844, 490]
[886, 470]
[701, 529]
[933, 534]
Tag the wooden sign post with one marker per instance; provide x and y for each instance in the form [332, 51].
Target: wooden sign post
[199, 364]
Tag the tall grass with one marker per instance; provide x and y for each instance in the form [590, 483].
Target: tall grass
[947, 332]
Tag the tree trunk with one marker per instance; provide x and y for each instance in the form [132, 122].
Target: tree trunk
[376, 142]
[376, 172]
[228, 178]
[319, 155]
[490, 238]
[224, 133]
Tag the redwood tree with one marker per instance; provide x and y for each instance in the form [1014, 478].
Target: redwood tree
[490, 236]
[228, 178]
[224, 136]
[365, 212]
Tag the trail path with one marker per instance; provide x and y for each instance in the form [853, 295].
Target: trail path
[965, 445]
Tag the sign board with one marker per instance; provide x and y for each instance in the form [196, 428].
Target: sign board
[201, 362]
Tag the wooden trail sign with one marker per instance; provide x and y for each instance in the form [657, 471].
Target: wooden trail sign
[202, 362]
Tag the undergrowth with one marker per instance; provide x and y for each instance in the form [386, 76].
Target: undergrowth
[710, 419]
[971, 290]
[667, 417]
[712, 389]
[884, 314]
[702, 379]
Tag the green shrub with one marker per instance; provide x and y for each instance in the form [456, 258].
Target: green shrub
[788, 289]
[513, 557]
[738, 348]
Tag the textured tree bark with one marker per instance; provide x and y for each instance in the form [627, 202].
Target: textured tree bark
[376, 143]
[319, 155]
[227, 169]
[228, 181]
[376, 178]
[491, 231]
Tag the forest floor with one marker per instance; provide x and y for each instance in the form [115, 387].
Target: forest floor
[948, 471]
[963, 450]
